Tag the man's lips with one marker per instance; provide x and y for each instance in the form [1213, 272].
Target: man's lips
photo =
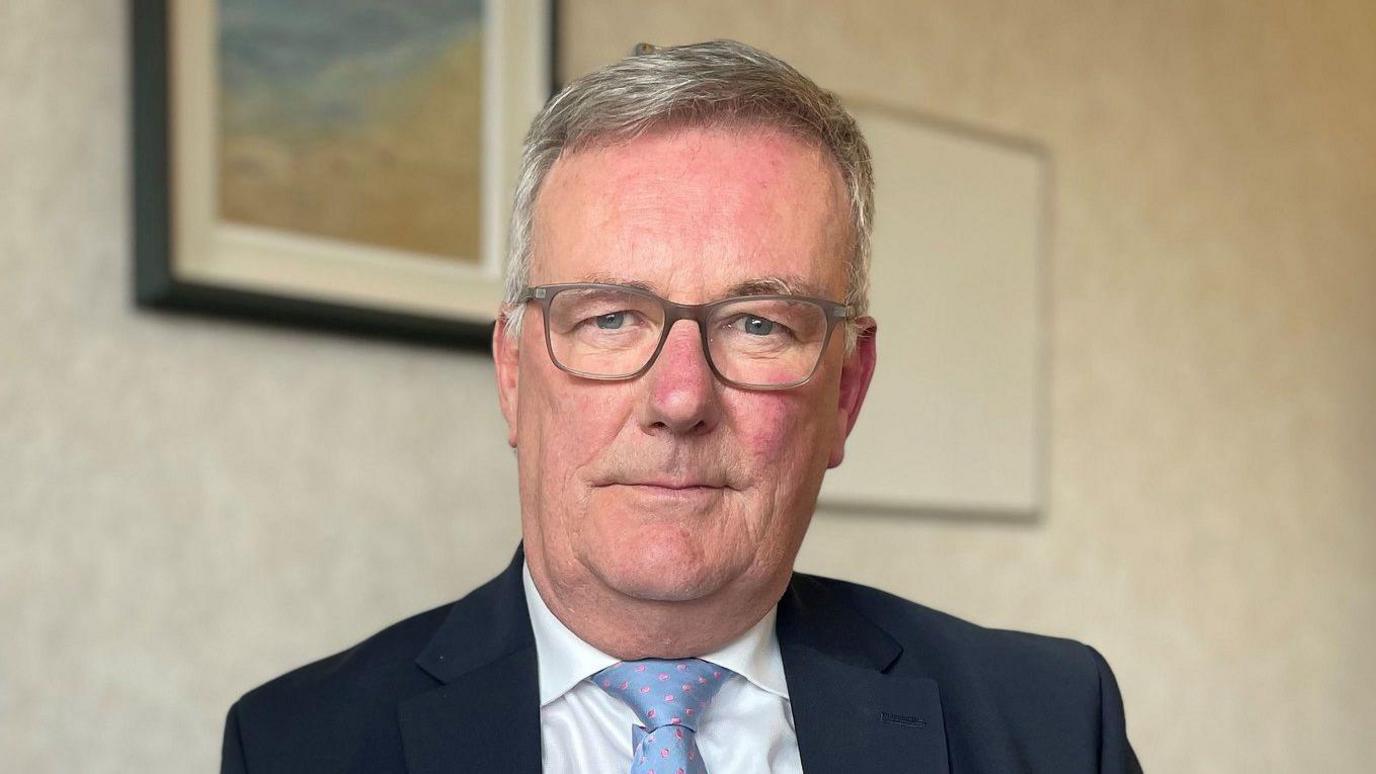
[657, 483]
[667, 494]
[668, 485]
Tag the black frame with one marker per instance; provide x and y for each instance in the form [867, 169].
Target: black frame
[155, 284]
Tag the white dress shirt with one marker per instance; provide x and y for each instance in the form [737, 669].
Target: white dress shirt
[585, 730]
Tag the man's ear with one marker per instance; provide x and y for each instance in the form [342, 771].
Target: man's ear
[856, 373]
[506, 355]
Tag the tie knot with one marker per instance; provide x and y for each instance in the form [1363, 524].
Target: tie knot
[664, 693]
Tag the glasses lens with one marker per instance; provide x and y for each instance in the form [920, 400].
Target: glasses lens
[603, 331]
[767, 342]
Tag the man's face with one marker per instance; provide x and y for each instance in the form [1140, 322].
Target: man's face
[673, 486]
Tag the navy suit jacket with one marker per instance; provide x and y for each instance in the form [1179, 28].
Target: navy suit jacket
[876, 683]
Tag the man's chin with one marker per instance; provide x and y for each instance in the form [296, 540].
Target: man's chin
[651, 583]
[666, 594]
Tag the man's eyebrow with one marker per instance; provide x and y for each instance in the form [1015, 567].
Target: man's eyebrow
[772, 285]
[612, 279]
[777, 285]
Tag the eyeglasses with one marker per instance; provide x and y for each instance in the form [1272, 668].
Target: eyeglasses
[765, 342]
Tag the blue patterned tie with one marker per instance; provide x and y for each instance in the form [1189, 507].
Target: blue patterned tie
[669, 698]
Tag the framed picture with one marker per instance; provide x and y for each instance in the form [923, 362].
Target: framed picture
[958, 287]
[345, 165]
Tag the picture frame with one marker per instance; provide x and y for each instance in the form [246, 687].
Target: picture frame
[189, 257]
[961, 246]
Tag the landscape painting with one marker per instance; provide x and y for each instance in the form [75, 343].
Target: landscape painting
[354, 120]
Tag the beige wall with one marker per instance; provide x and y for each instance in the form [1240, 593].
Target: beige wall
[190, 506]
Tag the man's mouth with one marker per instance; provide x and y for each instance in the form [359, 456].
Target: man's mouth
[668, 488]
[671, 485]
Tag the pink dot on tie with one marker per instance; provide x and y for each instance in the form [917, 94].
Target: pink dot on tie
[682, 667]
[716, 675]
[663, 675]
[606, 683]
[676, 721]
[687, 688]
[678, 732]
[625, 684]
[650, 713]
[701, 680]
[668, 697]
[645, 689]
[689, 712]
[664, 752]
[640, 667]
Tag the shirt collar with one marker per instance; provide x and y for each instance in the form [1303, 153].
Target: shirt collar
[565, 660]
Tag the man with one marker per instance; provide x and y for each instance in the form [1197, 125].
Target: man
[681, 355]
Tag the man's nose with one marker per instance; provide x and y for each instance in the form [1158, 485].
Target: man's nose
[683, 395]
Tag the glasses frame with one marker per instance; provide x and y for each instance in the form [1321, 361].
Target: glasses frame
[673, 312]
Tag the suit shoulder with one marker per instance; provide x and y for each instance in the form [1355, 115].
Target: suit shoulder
[337, 713]
[947, 642]
[1011, 701]
[381, 662]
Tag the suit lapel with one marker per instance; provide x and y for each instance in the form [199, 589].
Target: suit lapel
[851, 714]
[485, 715]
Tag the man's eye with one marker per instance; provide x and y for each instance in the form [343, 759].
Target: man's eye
[756, 326]
[610, 321]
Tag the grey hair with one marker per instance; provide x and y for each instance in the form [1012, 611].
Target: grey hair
[718, 83]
